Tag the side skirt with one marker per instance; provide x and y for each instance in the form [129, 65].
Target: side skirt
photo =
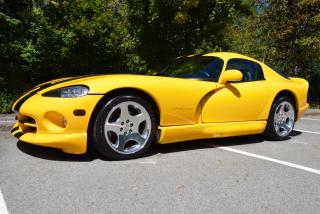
[171, 134]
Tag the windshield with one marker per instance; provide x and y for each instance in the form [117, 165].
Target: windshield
[195, 67]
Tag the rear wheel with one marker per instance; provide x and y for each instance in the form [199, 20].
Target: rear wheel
[124, 128]
[281, 119]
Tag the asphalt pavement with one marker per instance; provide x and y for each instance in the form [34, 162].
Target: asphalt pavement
[231, 175]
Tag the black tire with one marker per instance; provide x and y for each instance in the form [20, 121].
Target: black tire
[270, 131]
[100, 141]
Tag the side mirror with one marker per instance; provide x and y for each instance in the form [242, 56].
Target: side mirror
[230, 76]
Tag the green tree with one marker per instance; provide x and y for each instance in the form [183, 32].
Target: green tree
[285, 34]
[44, 39]
[165, 29]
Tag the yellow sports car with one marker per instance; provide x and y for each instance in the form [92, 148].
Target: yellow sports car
[195, 97]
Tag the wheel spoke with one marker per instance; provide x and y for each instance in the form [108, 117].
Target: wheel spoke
[289, 114]
[121, 142]
[277, 127]
[282, 108]
[112, 127]
[138, 138]
[124, 115]
[286, 128]
[139, 118]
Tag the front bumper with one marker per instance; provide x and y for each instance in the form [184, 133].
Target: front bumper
[52, 122]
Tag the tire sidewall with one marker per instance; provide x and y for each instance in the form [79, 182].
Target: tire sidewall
[99, 140]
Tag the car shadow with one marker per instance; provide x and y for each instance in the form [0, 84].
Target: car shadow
[55, 154]
[295, 133]
[91, 154]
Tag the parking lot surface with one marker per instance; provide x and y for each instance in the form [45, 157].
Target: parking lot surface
[231, 175]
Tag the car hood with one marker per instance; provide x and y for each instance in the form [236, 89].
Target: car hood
[100, 84]
[57, 83]
[39, 89]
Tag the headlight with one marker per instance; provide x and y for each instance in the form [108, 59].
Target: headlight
[68, 92]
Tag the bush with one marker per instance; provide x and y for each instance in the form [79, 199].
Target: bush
[6, 99]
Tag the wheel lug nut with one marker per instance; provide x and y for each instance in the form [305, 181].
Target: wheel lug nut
[127, 121]
[131, 124]
[125, 133]
[122, 123]
[130, 131]
[121, 129]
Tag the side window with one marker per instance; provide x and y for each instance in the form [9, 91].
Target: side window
[251, 71]
[213, 68]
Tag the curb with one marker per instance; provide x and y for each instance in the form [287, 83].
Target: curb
[6, 125]
[6, 122]
[5, 128]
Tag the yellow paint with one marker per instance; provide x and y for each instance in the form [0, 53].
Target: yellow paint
[173, 134]
[189, 109]
[75, 143]
[230, 76]
[302, 110]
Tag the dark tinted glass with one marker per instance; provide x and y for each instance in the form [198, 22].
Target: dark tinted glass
[196, 67]
[251, 71]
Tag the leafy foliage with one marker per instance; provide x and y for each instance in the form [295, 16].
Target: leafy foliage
[284, 34]
[6, 98]
[42, 39]
[167, 28]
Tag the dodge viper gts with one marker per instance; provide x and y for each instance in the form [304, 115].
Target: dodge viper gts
[195, 97]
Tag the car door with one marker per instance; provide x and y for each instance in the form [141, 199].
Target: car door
[238, 101]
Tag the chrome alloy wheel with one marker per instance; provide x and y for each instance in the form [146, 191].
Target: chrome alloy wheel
[127, 127]
[284, 118]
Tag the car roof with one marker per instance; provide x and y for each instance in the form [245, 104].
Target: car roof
[229, 55]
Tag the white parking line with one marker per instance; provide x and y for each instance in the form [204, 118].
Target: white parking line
[306, 118]
[148, 161]
[316, 171]
[3, 206]
[300, 130]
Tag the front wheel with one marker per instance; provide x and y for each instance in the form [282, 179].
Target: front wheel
[124, 128]
[281, 119]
